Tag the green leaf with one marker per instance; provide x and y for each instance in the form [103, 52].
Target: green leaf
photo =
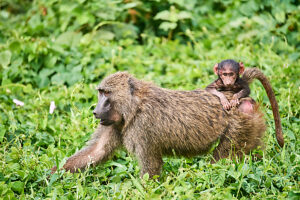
[50, 61]
[130, 5]
[44, 139]
[184, 15]
[5, 57]
[2, 132]
[73, 78]
[137, 184]
[58, 78]
[42, 79]
[69, 39]
[15, 46]
[85, 18]
[87, 38]
[167, 26]
[280, 16]
[53, 178]
[105, 35]
[35, 21]
[163, 15]
[146, 177]
[290, 134]
[17, 186]
[249, 8]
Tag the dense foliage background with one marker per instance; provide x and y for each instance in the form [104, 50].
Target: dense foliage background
[56, 50]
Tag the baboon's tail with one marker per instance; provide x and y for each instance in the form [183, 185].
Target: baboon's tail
[254, 73]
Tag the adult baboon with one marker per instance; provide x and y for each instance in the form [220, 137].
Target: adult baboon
[151, 122]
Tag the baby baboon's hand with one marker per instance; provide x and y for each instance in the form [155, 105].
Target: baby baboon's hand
[235, 101]
[225, 103]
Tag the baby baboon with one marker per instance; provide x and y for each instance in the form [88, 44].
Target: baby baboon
[228, 72]
[151, 122]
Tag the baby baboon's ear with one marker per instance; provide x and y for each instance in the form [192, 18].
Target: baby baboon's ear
[216, 69]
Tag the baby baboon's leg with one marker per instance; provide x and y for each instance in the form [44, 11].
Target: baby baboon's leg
[247, 105]
[103, 143]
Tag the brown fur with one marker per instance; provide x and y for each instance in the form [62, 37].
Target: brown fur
[254, 73]
[155, 122]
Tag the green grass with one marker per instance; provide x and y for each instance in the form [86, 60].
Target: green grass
[40, 63]
[34, 139]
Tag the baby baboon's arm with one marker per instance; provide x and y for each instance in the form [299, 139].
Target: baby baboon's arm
[212, 88]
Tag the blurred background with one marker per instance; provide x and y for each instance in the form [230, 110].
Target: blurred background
[47, 40]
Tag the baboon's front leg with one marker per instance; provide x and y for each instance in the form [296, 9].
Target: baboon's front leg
[151, 165]
[103, 143]
[149, 161]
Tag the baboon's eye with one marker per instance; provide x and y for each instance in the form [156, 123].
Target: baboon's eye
[104, 92]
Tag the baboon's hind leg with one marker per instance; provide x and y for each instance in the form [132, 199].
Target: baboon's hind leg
[223, 150]
[237, 142]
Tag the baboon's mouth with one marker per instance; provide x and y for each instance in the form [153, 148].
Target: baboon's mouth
[106, 122]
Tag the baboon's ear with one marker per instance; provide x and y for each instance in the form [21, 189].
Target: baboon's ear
[242, 68]
[216, 69]
[132, 85]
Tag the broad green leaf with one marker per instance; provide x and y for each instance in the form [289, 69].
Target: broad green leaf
[179, 2]
[249, 8]
[50, 61]
[67, 6]
[167, 26]
[69, 39]
[17, 186]
[35, 21]
[184, 15]
[163, 15]
[105, 35]
[130, 5]
[146, 177]
[87, 38]
[84, 18]
[280, 16]
[248, 35]
[73, 78]
[237, 22]
[5, 57]
[15, 46]
[58, 78]
[44, 139]
[43, 78]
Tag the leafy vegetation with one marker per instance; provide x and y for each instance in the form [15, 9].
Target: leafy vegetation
[52, 50]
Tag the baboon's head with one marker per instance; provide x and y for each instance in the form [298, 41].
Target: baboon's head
[116, 98]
